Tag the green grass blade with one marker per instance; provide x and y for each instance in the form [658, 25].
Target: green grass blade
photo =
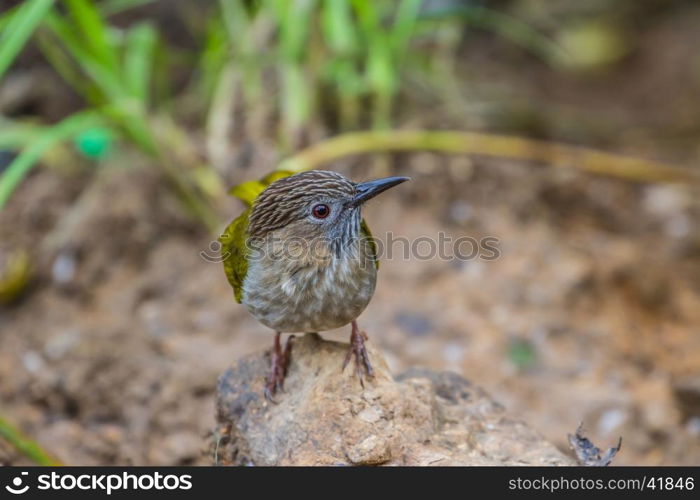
[8, 16]
[368, 17]
[89, 22]
[61, 62]
[108, 81]
[296, 105]
[338, 27]
[27, 447]
[213, 56]
[23, 163]
[236, 20]
[17, 32]
[508, 27]
[378, 65]
[15, 135]
[111, 7]
[404, 24]
[134, 124]
[294, 20]
[138, 60]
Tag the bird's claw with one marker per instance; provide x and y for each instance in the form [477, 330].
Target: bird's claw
[278, 368]
[268, 394]
[359, 351]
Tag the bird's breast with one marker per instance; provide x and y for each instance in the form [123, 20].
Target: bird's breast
[290, 295]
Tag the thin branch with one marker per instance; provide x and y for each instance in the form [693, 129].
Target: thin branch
[500, 146]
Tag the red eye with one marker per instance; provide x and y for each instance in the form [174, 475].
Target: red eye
[321, 211]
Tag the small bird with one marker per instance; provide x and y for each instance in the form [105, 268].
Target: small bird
[302, 259]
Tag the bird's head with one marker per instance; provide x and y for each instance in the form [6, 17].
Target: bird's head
[314, 204]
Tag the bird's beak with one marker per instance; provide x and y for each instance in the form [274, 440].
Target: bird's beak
[368, 190]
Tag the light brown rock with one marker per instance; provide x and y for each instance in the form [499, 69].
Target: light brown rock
[325, 417]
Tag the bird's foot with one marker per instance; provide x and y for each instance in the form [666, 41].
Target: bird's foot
[278, 367]
[359, 351]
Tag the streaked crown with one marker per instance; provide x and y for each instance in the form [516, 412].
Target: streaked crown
[291, 199]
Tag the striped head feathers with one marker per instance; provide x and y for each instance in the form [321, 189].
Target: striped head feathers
[314, 206]
[314, 202]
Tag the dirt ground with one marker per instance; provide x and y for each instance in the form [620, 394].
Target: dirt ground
[590, 314]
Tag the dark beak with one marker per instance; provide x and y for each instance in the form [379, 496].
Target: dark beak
[368, 190]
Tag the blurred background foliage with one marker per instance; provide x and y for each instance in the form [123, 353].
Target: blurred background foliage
[315, 67]
[304, 68]
[336, 63]
[207, 94]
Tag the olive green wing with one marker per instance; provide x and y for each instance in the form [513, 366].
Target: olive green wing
[366, 233]
[234, 253]
[233, 241]
[250, 190]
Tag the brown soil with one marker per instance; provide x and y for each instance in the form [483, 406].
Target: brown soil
[118, 364]
[591, 313]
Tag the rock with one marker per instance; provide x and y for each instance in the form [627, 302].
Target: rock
[687, 394]
[325, 417]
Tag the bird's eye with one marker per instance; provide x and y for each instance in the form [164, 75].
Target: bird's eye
[321, 211]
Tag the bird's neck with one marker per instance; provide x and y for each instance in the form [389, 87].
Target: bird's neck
[294, 242]
[345, 236]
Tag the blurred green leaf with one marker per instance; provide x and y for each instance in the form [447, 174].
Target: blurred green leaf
[16, 33]
[367, 15]
[593, 44]
[404, 25]
[62, 63]
[15, 274]
[294, 20]
[122, 91]
[89, 22]
[508, 27]
[245, 27]
[522, 353]
[338, 26]
[28, 447]
[8, 16]
[15, 135]
[107, 79]
[138, 59]
[111, 7]
[380, 69]
[213, 56]
[28, 158]
[297, 103]
[236, 18]
[208, 181]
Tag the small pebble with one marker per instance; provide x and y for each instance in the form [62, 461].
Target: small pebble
[32, 361]
[370, 415]
[414, 324]
[611, 420]
[453, 353]
[693, 426]
[64, 268]
[62, 343]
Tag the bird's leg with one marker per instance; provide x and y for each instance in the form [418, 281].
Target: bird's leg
[278, 366]
[357, 348]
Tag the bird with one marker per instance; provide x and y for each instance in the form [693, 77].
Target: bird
[301, 259]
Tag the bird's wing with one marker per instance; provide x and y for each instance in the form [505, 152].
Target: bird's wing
[234, 253]
[250, 190]
[366, 233]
